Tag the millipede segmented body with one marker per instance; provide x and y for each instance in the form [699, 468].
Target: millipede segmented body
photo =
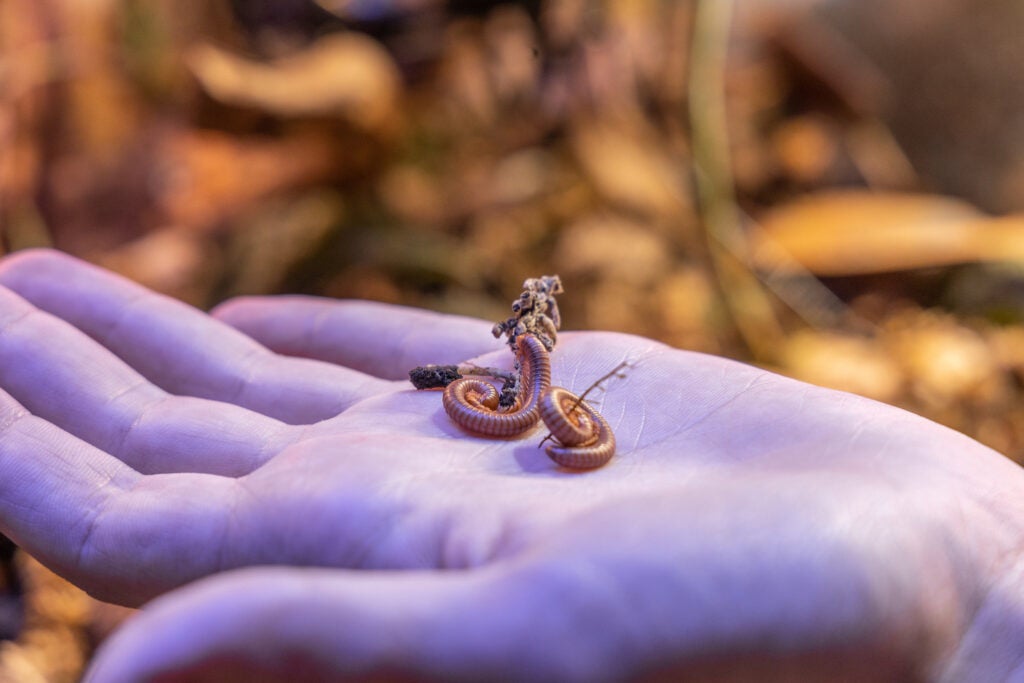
[472, 403]
[585, 440]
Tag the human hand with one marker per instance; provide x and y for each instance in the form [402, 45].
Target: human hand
[749, 525]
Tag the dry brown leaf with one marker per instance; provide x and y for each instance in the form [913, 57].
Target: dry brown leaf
[521, 176]
[844, 362]
[612, 248]
[1006, 344]
[944, 360]
[180, 263]
[511, 37]
[608, 305]
[19, 664]
[412, 194]
[348, 75]
[497, 237]
[26, 59]
[102, 111]
[631, 168]
[853, 232]
[685, 301]
[205, 176]
[52, 645]
[278, 236]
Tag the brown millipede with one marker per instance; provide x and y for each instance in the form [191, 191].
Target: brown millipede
[585, 440]
[472, 403]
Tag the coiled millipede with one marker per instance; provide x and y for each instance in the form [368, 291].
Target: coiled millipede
[584, 439]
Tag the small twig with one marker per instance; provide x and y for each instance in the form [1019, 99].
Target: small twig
[470, 370]
[617, 371]
[614, 372]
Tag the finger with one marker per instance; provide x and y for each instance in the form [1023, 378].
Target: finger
[64, 377]
[179, 348]
[122, 536]
[504, 623]
[380, 339]
[314, 625]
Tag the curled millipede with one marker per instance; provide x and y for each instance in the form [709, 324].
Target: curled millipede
[472, 403]
[585, 440]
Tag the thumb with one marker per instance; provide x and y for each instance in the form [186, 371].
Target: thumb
[271, 624]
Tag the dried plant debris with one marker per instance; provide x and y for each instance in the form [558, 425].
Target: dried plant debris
[440, 376]
[536, 312]
[434, 376]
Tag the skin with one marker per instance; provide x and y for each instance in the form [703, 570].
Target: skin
[750, 527]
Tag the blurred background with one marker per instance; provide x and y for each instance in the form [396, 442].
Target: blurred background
[828, 189]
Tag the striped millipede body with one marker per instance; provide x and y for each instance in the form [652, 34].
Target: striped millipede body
[585, 440]
[473, 403]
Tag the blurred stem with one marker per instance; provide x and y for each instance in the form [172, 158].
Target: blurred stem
[745, 299]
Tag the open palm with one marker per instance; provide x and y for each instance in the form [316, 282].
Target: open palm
[749, 525]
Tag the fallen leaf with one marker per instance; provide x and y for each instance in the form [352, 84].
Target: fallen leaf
[612, 248]
[347, 75]
[203, 177]
[631, 168]
[278, 236]
[852, 232]
[839, 361]
[179, 263]
[944, 360]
